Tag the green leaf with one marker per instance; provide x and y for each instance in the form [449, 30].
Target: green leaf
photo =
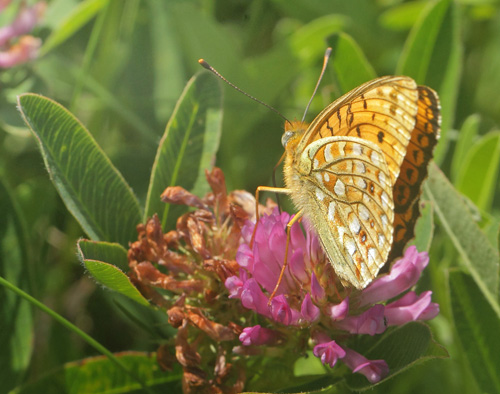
[477, 254]
[16, 332]
[111, 253]
[417, 52]
[169, 75]
[402, 16]
[432, 55]
[308, 44]
[312, 384]
[401, 348]
[188, 145]
[479, 174]
[477, 326]
[79, 17]
[350, 64]
[90, 186]
[114, 279]
[149, 321]
[99, 375]
[109, 275]
[445, 74]
[466, 137]
[424, 229]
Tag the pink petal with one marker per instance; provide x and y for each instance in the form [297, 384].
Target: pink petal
[244, 257]
[410, 308]
[370, 322]
[281, 311]
[374, 370]
[404, 274]
[253, 298]
[297, 266]
[309, 311]
[258, 335]
[329, 353]
[317, 292]
[235, 286]
[339, 311]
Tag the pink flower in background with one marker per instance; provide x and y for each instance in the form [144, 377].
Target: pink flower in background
[311, 297]
[15, 46]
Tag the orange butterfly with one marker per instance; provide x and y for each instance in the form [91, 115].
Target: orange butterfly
[356, 172]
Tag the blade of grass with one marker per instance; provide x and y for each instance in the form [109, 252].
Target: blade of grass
[91, 341]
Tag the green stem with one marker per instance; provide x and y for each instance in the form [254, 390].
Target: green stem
[91, 341]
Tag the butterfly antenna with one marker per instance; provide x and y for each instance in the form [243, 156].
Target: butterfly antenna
[326, 58]
[214, 71]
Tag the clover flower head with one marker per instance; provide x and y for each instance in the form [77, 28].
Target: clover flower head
[311, 298]
[215, 286]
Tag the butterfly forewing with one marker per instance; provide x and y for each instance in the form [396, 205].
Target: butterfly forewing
[382, 111]
[414, 169]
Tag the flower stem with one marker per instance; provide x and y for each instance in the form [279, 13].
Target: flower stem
[91, 341]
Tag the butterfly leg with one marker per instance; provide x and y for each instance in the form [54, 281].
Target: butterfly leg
[280, 190]
[294, 220]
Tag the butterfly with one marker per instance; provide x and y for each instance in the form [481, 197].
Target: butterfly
[356, 172]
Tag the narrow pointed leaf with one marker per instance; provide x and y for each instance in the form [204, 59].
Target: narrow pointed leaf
[417, 53]
[478, 178]
[16, 321]
[188, 145]
[90, 186]
[402, 16]
[466, 137]
[351, 65]
[79, 17]
[424, 229]
[477, 326]
[478, 255]
[169, 74]
[308, 43]
[433, 56]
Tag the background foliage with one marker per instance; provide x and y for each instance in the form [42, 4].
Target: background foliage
[120, 67]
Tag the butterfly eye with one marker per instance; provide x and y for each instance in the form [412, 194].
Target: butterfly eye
[286, 137]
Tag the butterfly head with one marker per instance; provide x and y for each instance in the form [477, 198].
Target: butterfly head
[293, 133]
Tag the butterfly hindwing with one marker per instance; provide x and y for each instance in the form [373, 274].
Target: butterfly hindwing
[352, 203]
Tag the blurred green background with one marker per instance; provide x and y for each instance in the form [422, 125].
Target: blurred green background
[120, 67]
